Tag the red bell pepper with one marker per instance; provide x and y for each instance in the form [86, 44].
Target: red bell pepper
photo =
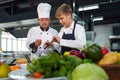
[104, 50]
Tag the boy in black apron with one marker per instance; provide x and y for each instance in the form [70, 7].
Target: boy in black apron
[72, 35]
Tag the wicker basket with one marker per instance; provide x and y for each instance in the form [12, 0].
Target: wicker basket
[113, 71]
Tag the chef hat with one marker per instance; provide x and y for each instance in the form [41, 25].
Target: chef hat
[43, 10]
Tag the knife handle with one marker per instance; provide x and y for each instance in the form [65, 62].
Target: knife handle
[28, 59]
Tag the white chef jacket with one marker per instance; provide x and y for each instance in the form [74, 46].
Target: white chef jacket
[37, 33]
[79, 33]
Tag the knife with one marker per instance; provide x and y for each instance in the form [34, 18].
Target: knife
[48, 45]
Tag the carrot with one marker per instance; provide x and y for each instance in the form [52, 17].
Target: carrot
[16, 67]
[37, 75]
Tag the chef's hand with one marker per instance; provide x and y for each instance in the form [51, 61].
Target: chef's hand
[46, 44]
[38, 42]
[56, 39]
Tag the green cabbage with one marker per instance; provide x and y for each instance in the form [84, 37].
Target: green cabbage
[89, 71]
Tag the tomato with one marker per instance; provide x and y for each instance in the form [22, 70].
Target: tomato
[37, 75]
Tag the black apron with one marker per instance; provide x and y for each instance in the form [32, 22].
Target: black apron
[68, 37]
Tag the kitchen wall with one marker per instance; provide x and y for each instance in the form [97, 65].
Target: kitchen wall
[102, 34]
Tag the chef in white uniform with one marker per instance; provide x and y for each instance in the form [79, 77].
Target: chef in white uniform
[39, 37]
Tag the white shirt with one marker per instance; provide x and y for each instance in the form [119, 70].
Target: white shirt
[36, 33]
[80, 37]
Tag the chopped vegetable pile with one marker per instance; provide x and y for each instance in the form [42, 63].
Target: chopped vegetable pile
[54, 65]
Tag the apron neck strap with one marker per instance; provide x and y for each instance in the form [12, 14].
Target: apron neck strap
[74, 26]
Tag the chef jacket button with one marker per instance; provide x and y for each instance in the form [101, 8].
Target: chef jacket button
[40, 33]
[39, 47]
[47, 33]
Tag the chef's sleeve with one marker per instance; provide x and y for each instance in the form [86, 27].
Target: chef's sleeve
[30, 42]
[55, 46]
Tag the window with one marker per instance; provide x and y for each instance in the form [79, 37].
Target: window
[14, 45]
[10, 43]
[3, 44]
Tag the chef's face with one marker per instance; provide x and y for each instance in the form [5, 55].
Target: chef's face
[64, 19]
[44, 22]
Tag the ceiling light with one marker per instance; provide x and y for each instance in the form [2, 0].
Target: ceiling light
[5, 1]
[89, 7]
[97, 19]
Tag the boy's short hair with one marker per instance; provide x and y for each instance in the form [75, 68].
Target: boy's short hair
[63, 9]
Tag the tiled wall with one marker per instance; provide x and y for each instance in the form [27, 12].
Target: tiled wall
[102, 34]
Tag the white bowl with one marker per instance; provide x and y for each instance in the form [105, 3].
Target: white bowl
[23, 66]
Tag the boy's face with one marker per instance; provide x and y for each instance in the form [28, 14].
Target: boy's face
[64, 19]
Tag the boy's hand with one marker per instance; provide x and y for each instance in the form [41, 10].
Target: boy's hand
[56, 39]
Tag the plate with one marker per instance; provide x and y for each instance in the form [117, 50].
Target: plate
[21, 74]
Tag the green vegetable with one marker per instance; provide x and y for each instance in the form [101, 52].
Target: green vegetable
[93, 52]
[89, 71]
[62, 71]
[70, 62]
[86, 60]
[54, 65]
